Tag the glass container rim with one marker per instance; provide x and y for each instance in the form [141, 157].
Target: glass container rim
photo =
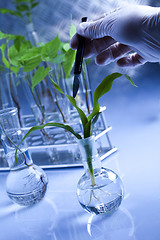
[85, 140]
[11, 110]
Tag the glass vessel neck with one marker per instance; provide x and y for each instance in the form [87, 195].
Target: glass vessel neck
[32, 34]
[89, 154]
[11, 136]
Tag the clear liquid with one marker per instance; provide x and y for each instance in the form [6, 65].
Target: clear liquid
[27, 186]
[28, 198]
[105, 207]
[105, 196]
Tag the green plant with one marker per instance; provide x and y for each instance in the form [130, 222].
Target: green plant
[23, 9]
[28, 59]
[86, 121]
[19, 55]
[22, 55]
[17, 58]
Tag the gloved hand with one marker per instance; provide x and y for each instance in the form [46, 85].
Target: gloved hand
[122, 31]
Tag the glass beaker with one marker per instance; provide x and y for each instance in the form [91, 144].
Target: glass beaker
[26, 183]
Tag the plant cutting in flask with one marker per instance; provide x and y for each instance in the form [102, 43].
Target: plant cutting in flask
[26, 183]
[97, 185]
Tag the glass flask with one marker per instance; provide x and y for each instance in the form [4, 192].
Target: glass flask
[99, 190]
[26, 183]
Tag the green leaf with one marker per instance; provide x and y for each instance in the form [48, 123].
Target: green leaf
[16, 55]
[56, 86]
[31, 64]
[82, 115]
[13, 55]
[4, 10]
[25, 56]
[88, 61]
[3, 35]
[129, 78]
[22, 8]
[8, 36]
[51, 48]
[72, 30]
[34, 4]
[103, 88]
[15, 69]
[87, 129]
[4, 60]
[31, 53]
[95, 118]
[41, 44]
[51, 124]
[68, 61]
[66, 47]
[17, 42]
[15, 13]
[39, 75]
[59, 58]
[61, 49]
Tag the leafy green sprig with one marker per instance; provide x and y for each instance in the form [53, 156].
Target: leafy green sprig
[86, 121]
[30, 61]
[19, 55]
[23, 9]
[24, 56]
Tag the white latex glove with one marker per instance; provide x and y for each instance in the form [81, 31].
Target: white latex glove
[122, 31]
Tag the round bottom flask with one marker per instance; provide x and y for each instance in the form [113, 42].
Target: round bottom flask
[99, 190]
[26, 183]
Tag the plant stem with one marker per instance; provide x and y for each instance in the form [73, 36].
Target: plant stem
[56, 102]
[10, 83]
[25, 160]
[40, 108]
[85, 84]
[88, 150]
[41, 111]
[91, 171]
[43, 116]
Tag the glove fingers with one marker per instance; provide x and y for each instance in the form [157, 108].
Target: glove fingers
[131, 61]
[74, 42]
[96, 46]
[113, 52]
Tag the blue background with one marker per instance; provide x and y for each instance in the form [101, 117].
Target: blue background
[134, 114]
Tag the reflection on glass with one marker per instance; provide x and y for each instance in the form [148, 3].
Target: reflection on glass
[38, 222]
[119, 225]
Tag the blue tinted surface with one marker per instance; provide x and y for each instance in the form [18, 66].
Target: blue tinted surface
[134, 114]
